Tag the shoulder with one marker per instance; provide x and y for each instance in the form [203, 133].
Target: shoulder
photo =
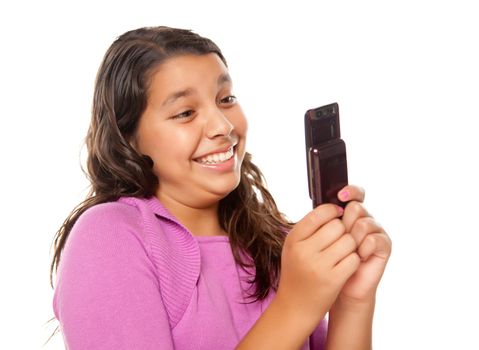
[124, 213]
[110, 224]
[110, 213]
[136, 232]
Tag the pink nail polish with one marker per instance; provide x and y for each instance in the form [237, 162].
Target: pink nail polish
[344, 195]
[340, 210]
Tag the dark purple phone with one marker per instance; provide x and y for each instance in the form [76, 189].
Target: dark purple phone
[326, 155]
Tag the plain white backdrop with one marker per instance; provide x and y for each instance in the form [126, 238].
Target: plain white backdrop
[405, 74]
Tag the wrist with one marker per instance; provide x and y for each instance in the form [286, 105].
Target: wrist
[304, 319]
[346, 303]
[353, 317]
[280, 317]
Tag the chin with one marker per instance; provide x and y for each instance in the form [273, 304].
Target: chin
[220, 192]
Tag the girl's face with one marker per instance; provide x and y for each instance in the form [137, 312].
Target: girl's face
[194, 131]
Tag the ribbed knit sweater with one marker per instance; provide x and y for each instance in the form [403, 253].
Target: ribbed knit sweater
[132, 276]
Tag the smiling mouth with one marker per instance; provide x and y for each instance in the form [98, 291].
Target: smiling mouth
[217, 158]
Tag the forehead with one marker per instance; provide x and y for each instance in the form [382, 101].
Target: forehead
[185, 71]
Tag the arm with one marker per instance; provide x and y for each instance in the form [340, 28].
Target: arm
[107, 295]
[327, 264]
[317, 259]
[279, 328]
[350, 326]
[352, 312]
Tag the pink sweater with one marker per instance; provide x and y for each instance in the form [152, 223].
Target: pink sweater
[132, 277]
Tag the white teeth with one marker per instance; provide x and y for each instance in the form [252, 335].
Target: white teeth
[217, 157]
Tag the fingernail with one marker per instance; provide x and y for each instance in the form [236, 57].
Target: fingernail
[344, 195]
[340, 210]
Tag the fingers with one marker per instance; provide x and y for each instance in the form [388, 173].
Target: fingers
[326, 235]
[347, 267]
[363, 227]
[313, 221]
[377, 244]
[353, 211]
[339, 250]
[351, 193]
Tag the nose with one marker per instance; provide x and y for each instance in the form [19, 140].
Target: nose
[218, 124]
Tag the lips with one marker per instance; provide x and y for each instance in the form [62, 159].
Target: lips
[216, 157]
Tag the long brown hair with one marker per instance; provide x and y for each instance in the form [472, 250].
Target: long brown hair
[115, 169]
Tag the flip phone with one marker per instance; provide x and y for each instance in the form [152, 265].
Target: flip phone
[325, 154]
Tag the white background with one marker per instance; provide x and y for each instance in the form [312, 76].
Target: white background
[405, 74]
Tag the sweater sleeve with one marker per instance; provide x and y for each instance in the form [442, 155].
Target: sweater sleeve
[317, 340]
[107, 294]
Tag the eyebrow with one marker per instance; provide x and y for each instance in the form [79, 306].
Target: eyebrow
[176, 95]
[222, 79]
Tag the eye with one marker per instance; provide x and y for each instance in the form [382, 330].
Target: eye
[229, 100]
[183, 115]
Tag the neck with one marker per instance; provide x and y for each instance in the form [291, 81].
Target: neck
[199, 221]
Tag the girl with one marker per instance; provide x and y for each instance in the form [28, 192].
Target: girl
[179, 244]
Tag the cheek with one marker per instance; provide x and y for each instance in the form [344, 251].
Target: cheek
[241, 123]
[241, 127]
[170, 149]
[152, 144]
[244, 127]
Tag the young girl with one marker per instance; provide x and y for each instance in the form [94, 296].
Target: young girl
[179, 244]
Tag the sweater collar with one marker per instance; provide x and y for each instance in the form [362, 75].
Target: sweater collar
[153, 204]
[159, 209]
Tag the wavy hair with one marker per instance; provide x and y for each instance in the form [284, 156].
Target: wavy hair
[115, 169]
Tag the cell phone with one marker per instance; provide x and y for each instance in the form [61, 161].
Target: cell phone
[325, 154]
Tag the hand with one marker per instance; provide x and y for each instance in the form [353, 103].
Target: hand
[318, 257]
[374, 247]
